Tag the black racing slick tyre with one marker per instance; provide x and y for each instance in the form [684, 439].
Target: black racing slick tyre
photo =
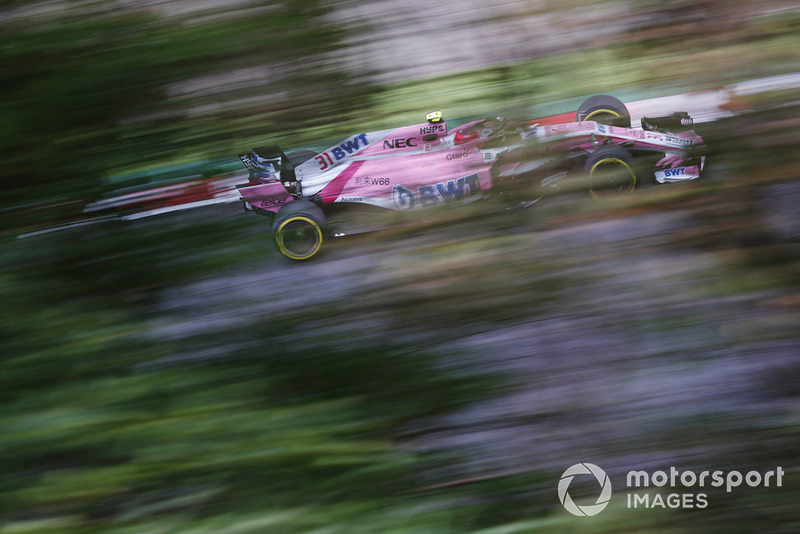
[611, 170]
[604, 109]
[299, 232]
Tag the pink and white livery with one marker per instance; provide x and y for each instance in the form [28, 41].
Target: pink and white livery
[429, 164]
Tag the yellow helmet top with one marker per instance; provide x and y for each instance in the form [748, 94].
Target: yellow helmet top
[434, 117]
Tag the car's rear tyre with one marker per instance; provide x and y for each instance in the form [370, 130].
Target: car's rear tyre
[299, 232]
[611, 170]
[604, 109]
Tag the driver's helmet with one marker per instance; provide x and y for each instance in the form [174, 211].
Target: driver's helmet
[434, 117]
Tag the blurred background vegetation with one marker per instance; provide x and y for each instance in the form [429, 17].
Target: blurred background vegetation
[174, 375]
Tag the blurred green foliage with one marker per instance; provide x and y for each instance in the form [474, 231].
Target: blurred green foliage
[81, 97]
[109, 429]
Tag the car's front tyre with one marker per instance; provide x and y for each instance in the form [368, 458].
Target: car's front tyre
[611, 170]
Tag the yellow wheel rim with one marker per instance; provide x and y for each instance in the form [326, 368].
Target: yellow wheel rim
[299, 232]
[601, 112]
[614, 161]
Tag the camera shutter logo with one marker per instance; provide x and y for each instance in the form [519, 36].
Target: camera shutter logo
[584, 469]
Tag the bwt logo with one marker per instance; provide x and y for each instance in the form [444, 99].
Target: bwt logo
[584, 469]
[680, 171]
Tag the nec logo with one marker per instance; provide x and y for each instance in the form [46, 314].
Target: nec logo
[680, 171]
[400, 143]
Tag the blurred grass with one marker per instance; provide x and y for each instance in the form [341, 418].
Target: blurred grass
[106, 438]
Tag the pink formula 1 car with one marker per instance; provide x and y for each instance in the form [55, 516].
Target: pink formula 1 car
[428, 164]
